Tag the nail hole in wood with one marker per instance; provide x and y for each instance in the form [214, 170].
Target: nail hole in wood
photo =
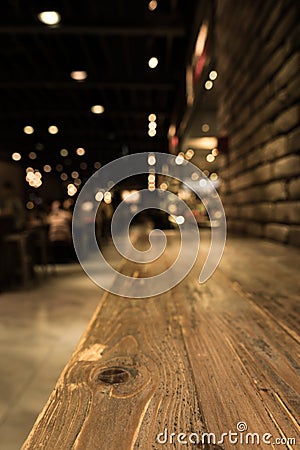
[114, 375]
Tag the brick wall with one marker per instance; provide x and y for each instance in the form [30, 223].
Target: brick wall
[258, 61]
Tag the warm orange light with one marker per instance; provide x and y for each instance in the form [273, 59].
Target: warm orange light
[189, 154]
[208, 85]
[72, 189]
[151, 160]
[16, 156]
[201, 40]
[107, 198]
[79, 75]
[49, 17]
[99, 196]
[213, 75]
[152, 125]
[152, 117]
[80, 151]
[179, 160]
[163, 186]
[172, 130]
[152, 132]
[53, 129]
[97, 109]
[152, 5]
[210, 158]
[153, 62]
[28, 129]
[32, 155]
[214, 176]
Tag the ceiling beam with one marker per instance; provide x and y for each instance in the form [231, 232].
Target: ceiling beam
[66, 30]
[139, 86]
[68, 133]
[38, 113]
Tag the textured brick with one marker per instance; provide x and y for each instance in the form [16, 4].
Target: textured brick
[287, 119]
[260, 212]
[254, 158]
[270, 110]
[247, 211]
[264, 212]
[231, 211]
[232, 198]
[277, 232]
[275, 13]
[223, 189]
[222, 160]
[263, 173]
[293, 36]
[294, 189]
[236, 167]
[293, 141]
[275, 148]
[252, 194]
[273, 64]
[264, 134]
[294, 235]
[262, 97]
[243, 116]
[287, 212]
[275, 191]
[237, 226]
[255, 229]
[292, 90]
[237, 139]
[288, 20]
[259, 99]
[252, 125]
[241, 181]
[287, 166]
[289, 69]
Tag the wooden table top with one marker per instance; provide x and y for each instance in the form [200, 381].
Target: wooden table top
[213, 358]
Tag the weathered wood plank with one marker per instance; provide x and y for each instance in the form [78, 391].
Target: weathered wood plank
[143, 338]
[196, 359]
[250, 362]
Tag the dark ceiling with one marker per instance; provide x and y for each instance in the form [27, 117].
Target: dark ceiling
[112, 41]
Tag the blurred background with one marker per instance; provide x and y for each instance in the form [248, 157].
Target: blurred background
[209, 81]
[213, 82]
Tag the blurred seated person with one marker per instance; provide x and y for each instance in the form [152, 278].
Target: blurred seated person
[103, 220]
[36, 218]
[11, 207]
[12, 220]
[59, 234]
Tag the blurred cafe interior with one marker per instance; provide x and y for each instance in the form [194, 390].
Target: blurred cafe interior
[213, 83]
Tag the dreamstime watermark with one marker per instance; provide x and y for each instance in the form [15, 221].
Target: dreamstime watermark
[239, 436]
[105, 179]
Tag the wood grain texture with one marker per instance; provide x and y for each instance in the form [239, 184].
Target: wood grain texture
[197, 359]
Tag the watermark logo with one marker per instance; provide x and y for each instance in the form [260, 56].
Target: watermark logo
[156, 165]
[239, 436]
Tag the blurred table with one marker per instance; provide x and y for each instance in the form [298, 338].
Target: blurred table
[17, 258]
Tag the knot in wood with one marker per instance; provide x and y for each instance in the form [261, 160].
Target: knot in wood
[114, 375]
